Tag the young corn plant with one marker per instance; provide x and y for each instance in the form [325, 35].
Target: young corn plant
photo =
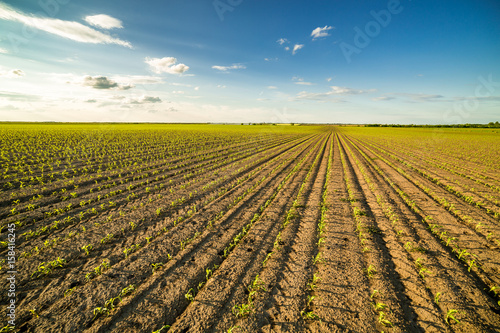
[190, 295]
[131, 250]
[437, 297]
[451, 315]
[382, 320]
[156, 266]
[371, 271]
[87, 249]
[309, 315]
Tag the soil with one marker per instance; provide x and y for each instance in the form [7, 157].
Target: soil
[233, 230]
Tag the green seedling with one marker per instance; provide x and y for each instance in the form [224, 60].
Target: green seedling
[451, 315]
[308, 315]
[419, 262]
[107, 239]
[127, 290]
[318, 259]
[310, 298]
[7, 328]
[156, 266]
[69, 291]
[162, 328]
[34, 313]
[209, 273]
[371, 271]
[87, 249]
[312, 283]
[463, 253]
[256, 284]
[190, 295]
[472, 263]
[379, 306]
[99, 311]
[242, 310]
[436, 298]
[382, 320]
[230, 330]
[423, 271]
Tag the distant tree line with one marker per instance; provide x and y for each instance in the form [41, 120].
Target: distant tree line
[489, 125]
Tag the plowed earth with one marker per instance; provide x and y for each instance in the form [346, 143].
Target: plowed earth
[318, 231]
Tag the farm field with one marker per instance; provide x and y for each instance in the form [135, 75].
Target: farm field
[231, 228]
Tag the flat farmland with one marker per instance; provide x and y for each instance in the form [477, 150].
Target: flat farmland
[233, 228]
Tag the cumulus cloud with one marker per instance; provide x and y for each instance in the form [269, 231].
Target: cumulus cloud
[166, 65]
[146, 100]
[66, 29]
[227, 68]
[321, 32]
[104, 21]
[297, 47]
[12, 74]
[102, 82]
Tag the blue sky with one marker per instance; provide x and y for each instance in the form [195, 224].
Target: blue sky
[425, 62]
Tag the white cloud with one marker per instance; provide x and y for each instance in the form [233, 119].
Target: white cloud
[304, 83]
[282, 41]
[297, 47]
[321, 32]
[180, 84]
[335, 91]
[421, 97]
[226, 68]
[12, 74]
[271, 59]
[272, 87]
[196, 88]
[138, 79]
[328, 79]
[102, 82]
[287, 48]
[382, 98]
[104, 21]
[66, 29]
[221, 86]
[180, 92]
[166, 65]
[4, 51]
[300, 81]
[146, 100]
